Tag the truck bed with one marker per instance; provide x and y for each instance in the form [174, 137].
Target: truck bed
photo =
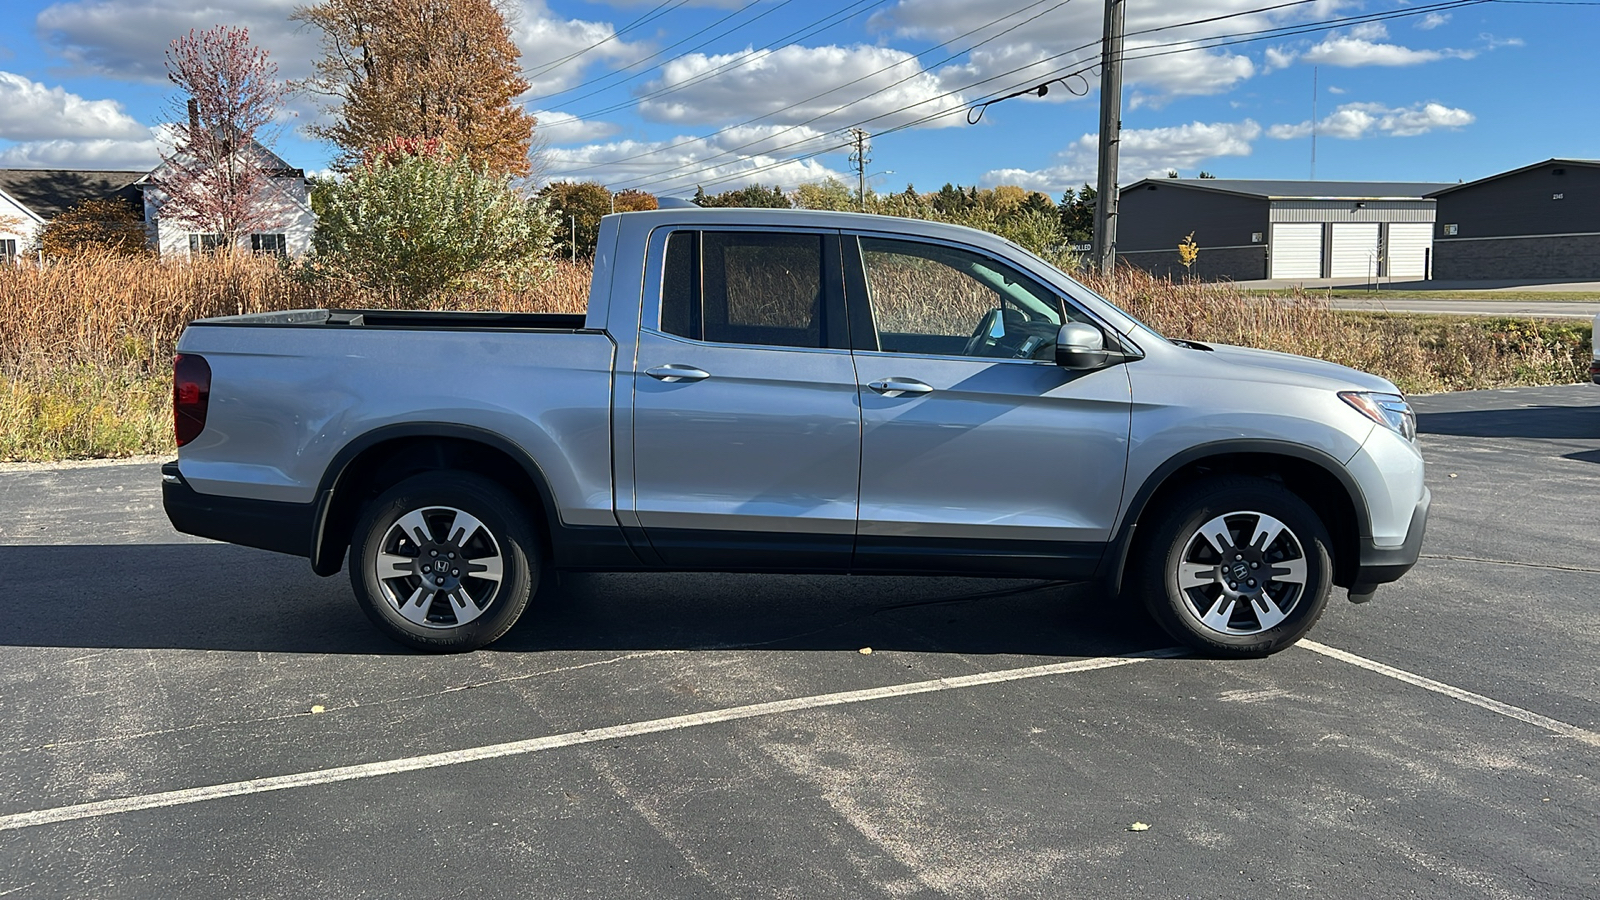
[404, 319]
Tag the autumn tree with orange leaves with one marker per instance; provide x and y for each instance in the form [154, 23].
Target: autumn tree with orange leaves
[444, 70]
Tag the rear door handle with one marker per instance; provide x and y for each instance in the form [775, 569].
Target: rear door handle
[675, 372]
[894, 387]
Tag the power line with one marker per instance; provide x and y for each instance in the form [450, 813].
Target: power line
[649, 16]
[1152, 30]
[841, 87]
[806, 31]
[658, 53]
[672, 174]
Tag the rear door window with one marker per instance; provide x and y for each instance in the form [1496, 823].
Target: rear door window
[745, 287]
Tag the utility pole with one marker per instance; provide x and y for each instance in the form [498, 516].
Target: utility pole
[1313, 123]
[1105, 215]
[574, 221]
[859, 158]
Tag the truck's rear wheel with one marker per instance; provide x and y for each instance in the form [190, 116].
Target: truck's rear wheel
[444, 561]
[1235, 566]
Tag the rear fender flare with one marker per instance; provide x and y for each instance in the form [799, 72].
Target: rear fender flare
[327, 544]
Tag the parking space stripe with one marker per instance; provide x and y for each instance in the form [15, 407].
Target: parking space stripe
[185, 796]
[1438, 687]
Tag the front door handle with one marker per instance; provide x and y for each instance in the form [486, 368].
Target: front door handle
[894, 387]
[675, 372]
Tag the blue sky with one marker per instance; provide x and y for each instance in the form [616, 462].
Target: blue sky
[723, 93]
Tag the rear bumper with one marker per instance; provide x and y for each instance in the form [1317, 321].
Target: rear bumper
[1381, 565]
[264, 524]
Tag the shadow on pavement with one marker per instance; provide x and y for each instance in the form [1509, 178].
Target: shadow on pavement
[1572, 422]
[221, 597]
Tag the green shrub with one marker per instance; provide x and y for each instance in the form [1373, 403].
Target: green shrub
[420, 225]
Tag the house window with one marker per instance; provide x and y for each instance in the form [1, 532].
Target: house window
[272, 244]
[1255, 237]
[1451, 230]
[207, 243]
[8, 250]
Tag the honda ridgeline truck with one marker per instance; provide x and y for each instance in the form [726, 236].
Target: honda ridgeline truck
[793, 391]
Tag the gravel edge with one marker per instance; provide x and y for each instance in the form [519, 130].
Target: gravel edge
[84, 463]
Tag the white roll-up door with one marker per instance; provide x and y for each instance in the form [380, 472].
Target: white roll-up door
[1355, 250]
[1408, 250]
[1296, 250]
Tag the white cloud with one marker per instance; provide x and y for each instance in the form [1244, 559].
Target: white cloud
[545, 37]
[31, 111]
[816, 81]
[1279, 58]
[1336, 90]
[1353, 121]
[1362, 46]
[675, 167]
[1070, 35]
[566, 128]
[127, 39]
[1490, 42]
[94, 153]
[1145, 152]
[1432, 20]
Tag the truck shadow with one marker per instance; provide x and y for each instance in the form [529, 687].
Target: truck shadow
[227, 598]
[1552, 422]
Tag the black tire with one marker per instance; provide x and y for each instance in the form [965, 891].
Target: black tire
[1252, 600]
[458, 604]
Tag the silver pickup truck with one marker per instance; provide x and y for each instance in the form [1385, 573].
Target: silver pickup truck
[787, 391]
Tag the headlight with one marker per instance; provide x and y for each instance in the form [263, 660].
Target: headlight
[1389, 410]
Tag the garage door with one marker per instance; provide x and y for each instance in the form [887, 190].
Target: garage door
[1408, 251]
[1296, 251]
[1355, 250]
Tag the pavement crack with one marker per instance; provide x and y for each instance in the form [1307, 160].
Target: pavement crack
[1508, 562]
[57, 745]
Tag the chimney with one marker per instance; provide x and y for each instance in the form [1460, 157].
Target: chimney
[194, 116]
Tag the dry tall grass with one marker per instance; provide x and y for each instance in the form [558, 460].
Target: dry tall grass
[85, 343]
[1421, 354]
[120, 310]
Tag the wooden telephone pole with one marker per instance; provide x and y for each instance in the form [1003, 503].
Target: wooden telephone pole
[1105, 215]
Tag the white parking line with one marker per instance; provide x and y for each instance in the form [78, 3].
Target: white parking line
[1465, 696]
[534, 745]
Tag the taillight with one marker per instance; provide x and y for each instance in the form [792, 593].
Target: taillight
[191, 393]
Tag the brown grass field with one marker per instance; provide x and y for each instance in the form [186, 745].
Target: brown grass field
[86, 343]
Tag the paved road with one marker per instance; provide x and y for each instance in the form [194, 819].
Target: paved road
[630, 754]
[1502, 286]
[1548, 309]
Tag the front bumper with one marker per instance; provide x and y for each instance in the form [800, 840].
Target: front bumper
[1594, 371]
[264, 524]
[1381, 565]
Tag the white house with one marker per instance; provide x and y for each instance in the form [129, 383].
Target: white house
[286, 207]
[31, 198]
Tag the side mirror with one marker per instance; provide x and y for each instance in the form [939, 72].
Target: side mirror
[1080, 347]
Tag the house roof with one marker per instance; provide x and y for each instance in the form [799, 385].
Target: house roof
[1556, 161]
[1303, 190]
[50, 192]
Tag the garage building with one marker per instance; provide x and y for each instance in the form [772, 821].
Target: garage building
[1248, 229]
[1539, 222]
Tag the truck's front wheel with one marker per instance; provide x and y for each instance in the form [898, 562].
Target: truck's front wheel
[1235, 566]
[444, 561]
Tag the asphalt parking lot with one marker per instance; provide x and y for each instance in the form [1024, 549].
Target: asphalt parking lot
[190, 719]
